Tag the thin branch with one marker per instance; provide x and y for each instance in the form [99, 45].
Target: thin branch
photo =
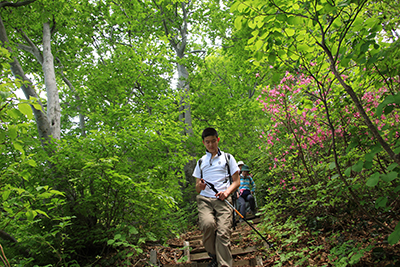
[347, 28]
[17, 4]
[31, 47]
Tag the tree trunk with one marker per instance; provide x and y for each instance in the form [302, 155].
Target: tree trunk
[360, 108]
[53, 101]
[179, 45]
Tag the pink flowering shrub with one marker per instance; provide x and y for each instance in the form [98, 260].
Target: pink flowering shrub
[310, 124]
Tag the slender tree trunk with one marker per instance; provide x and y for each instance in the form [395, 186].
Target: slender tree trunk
[183, 85]
[360, 108]
[53, 101]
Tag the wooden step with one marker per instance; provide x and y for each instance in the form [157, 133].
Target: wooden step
[257, 261]
[235, 237]
[235, 251]
[205, 264]
[253, 221]
[196, 253]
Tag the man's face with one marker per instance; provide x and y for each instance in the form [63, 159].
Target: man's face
[245, 173]
[211, 144]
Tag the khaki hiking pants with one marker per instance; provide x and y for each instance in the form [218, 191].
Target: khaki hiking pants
[215, 220]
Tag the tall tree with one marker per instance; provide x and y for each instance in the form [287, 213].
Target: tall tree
[42, 121]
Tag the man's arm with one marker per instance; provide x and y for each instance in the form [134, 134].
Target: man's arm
[200, 185]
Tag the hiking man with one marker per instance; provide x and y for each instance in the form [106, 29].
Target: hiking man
[215, 216]
[246, 191]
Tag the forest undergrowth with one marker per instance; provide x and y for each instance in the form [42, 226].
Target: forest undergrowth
[352, 241]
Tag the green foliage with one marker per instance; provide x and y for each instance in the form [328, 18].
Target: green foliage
[329, 45]
[26, 201]
[348, 253]
[117, 181]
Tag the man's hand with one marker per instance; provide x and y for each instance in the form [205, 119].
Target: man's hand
[200, 185]
[222, 195]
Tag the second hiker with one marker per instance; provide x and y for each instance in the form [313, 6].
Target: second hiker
[246, 191]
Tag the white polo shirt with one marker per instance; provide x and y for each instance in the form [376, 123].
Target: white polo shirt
[215, 171]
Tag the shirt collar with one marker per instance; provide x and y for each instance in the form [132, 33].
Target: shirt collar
[219, 153]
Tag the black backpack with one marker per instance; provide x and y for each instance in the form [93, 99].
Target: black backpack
[234, 197]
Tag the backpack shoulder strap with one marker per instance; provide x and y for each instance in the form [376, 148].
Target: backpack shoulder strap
[227, 159]
[201, 171]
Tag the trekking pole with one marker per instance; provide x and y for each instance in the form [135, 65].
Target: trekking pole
[240, 215]
[255, 199]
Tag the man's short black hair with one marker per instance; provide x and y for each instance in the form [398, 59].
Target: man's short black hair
[209, 132]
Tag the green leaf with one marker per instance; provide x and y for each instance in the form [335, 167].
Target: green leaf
[358, 166]
[30, 215]
[291, 20]
[12, 132]
[368, 164]
[26, 109]
[151, 236]
[345, 62]
[381, 202]
[241, 7]
[356, 257]
[392, 166]
[334, 176]
[395, 236]
[290, 32]
[133, 230]
[6, 193]
[388, 109]
[389, 177]
[294, 56]
[14, 113]
[43, 213]
[332, 165]
[117, 236]
[38, 188]
[303, 48]
[259, 44]
[271, 57]
[18, 146]
[32, 162]
[347, 172]
[343, 3]
[252, 24]
[390, 99]
[238, 22]
[397, 189]
[260, 21]
[45, 195]
[354, 143]
[234, 6]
